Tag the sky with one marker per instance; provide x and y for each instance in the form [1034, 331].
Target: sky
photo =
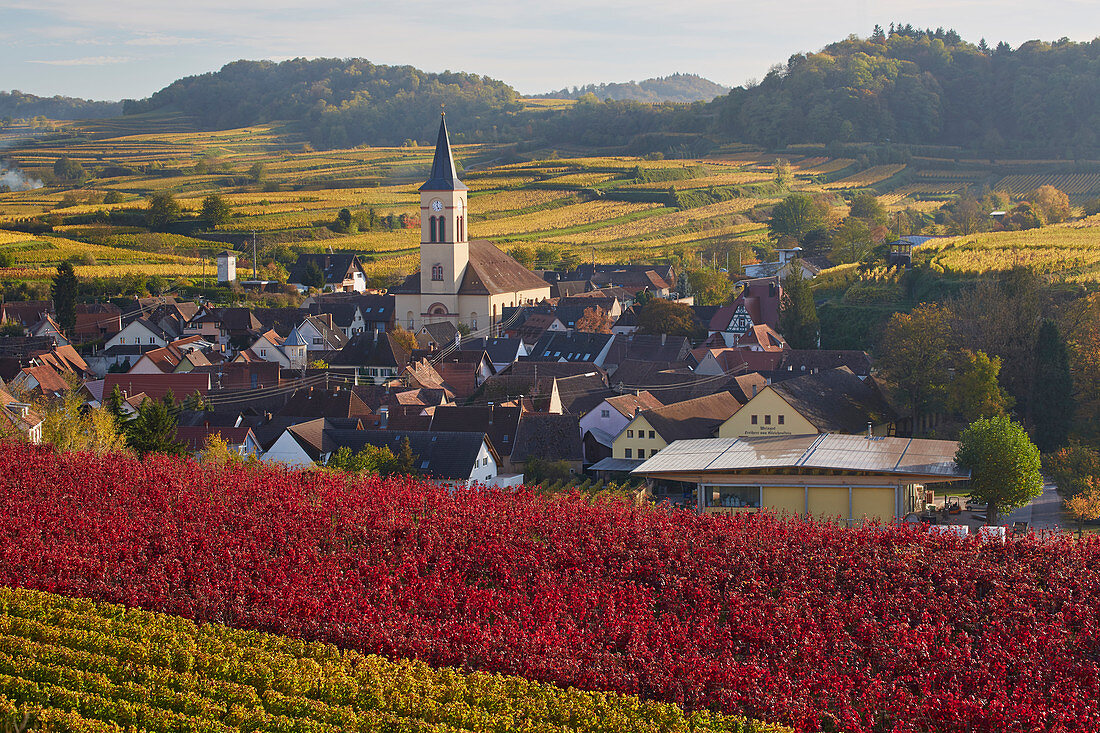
[131, 48]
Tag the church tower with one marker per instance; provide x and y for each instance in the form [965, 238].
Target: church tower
[444, 248]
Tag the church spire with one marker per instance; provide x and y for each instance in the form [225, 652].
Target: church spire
[443, 176]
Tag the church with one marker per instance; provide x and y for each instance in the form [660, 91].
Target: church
[461, 281]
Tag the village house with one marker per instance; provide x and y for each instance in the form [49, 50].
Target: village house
[649, 431]
[340, 272]
[601, 424]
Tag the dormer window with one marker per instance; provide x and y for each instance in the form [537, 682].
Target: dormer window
[437, 272]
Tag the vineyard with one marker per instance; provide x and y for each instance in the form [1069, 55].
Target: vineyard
[78, 666]
[804, 624]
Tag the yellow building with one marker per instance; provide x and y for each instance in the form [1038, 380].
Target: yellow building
[652, 430]
[830, 401]
[847, 477]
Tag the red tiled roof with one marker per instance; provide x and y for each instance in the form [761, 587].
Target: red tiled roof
[158, 385]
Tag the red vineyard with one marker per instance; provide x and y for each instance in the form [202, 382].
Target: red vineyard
[816, 626]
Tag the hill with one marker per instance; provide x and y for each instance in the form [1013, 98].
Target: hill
[19, 104]
[673, 88]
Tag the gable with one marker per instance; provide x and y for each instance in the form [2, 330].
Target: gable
[767, 406]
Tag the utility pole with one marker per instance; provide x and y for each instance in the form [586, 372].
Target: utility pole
[254, 275]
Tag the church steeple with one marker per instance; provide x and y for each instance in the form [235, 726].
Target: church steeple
[443, 176]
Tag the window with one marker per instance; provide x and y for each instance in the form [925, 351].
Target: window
[641, 453]
[754, 419]
[461, 228]
[630, 433]
[485, 461]
[504, 439]
[431, 227]
[629, 453]
[152, 339]
[263, 352]
[767, 419]
[732, 496]
[605, 413]
[318, 340]
[651, 435]
[437, 272]
[442, 228]
[473, 321]
[122, 339]
[780, 419]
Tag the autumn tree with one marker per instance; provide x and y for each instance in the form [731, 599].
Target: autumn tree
[404, 338]
[914, 356]
[1003, 463]
[524, 255]
[852, 241]
[798, 321]
[69, 424]
[594, 320]
[967, 216]
[664, 316]
[1085, 506]
[783, 174]
[1072, 467]
[975, 391]
[865, 205]
[709, 287]
[1052, 204]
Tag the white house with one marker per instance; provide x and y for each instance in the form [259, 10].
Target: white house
[289, 353]
[227, 266]
[607, 419]
[140, 332]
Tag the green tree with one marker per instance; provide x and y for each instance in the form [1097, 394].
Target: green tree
[64, 291]
[215, 209]
[797, 215]
[852, 241]
[162, 209]
[69, 170]
[783, 175]
[313, 277]
[405, 462]
[1023, 216]
[115, 406]
[258, 171]
[913, 356]
[865, 205]
[153, 430]
[798, 321]
[1052, 400]
[709, 287]
[975, 391]
[664, 316]
[1003, 463]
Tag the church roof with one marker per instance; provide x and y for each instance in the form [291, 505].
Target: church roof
[489, 272]
[443, 176]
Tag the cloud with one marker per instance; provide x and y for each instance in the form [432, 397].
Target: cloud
[84, 61]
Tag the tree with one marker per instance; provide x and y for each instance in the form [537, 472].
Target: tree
[1003, 464]
[664, 316]
[215, 209]
[797, 215]
[405, 462]
[851, 241]
[914, 355]
[405, 338]
[1023, 216]
[524, 255]
[798, 321]
[258, 171]
[64, 292]
[216, 451]
[974, 392]
[1052, 396]
[709, 287]
[594, 320]
[1052, 204]
[369, 460]
[70, 425]
[69, 170]
[153, 430]
[1085, 506]
[865, 205]
[966, 216]
[162, 209]
[314, 276]
[114, 406]
[1072, 468]
[783, 175]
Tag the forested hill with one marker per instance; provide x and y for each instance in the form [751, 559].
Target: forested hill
[19, 104]
[673, 88]
[927, 87]
[904, 86]
[339, 101]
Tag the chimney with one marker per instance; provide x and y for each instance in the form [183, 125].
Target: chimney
[664, 336]
[384, 417]
[869, 436]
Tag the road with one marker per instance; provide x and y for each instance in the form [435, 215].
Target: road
[1042, 512]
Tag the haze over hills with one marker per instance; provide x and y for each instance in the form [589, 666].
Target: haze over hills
[907, 86]
[673, 88]
[21, 104]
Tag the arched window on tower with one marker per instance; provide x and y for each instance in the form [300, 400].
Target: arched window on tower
[462, 228]
[442, 225]
[431, 226]
[437, 272]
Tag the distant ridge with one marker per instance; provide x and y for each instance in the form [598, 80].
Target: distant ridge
[672, 88]
[20, 104]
